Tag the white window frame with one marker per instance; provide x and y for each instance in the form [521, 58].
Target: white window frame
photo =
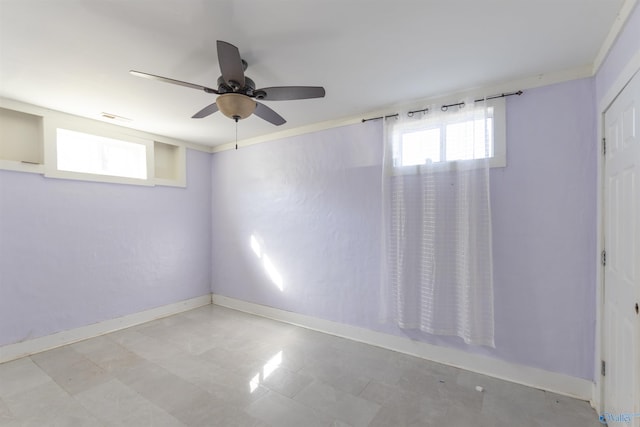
[499, 158]
[51, 154]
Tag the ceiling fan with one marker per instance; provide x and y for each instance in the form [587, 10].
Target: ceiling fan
[237, 93]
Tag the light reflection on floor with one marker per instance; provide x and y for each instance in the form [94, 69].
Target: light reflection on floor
[268, 368]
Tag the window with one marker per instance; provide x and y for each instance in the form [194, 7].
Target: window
[436, 220]
[93, 154]
[105, 154]
[60, 145]
[450, 138]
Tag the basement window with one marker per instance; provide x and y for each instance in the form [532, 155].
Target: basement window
[461, 138]
[92, 154]
[62, 146]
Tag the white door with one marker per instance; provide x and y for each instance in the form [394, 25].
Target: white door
[621, 322]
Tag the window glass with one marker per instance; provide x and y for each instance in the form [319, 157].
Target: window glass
[466, 140]
[421, 146]
[93, 154]
[461, 140]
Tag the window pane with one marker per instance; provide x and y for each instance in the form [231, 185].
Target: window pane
[85, 153]
[484, 148]
[469, 140]
[418, 147]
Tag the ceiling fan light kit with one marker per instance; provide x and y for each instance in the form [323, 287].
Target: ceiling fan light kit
[237, 93]
[236, 106]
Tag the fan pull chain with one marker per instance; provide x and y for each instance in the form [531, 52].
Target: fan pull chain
[236, 134]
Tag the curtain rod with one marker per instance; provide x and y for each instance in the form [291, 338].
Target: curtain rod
[381, 117]
[446, 107]
[502, 95]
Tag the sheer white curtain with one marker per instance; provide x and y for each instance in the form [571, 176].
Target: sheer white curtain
[438, 269]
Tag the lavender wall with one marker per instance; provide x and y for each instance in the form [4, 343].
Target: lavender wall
[544, 218]
[313, 201]
[74, 253]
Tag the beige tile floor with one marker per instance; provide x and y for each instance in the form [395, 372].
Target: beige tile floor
[218, 367]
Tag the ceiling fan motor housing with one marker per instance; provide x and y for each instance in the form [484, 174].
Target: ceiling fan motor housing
[234, 87]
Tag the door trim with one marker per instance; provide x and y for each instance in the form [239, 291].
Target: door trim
[625, 76]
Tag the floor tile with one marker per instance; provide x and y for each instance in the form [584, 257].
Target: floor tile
[281, 411]
[285, 382]
[49, 405]
[336, 375]
[6, 416]
[144, 346]
[114, 403]
[57, 359]
[70, 369]
[20, 375]
[224, 417]
[226, 387]
[214, 366]
[500, 412]
[106, 353]
[353, 410]
[168, 391]
[187, 336]
[407, 408]
[380, 392]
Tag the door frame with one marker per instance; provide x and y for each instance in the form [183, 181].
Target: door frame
[625, 76]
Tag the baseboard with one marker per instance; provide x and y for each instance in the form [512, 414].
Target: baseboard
[36, 345]
[532, 377]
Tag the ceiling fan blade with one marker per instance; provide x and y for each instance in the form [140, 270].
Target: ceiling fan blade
[206, 111]
[268, 114]
[172, 81]
[284, 93]
[231, 64]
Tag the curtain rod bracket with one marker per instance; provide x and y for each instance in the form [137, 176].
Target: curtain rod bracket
[423, 111]
[446, 107]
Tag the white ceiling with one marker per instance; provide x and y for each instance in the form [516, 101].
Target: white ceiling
[74, 55]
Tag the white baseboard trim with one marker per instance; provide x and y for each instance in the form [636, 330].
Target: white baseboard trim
[36, 345]
[532, 377]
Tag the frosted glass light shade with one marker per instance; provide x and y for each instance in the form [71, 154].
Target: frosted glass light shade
[235, 105]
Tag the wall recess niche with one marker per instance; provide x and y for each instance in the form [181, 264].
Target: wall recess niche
[21, 141]
[169, 164]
